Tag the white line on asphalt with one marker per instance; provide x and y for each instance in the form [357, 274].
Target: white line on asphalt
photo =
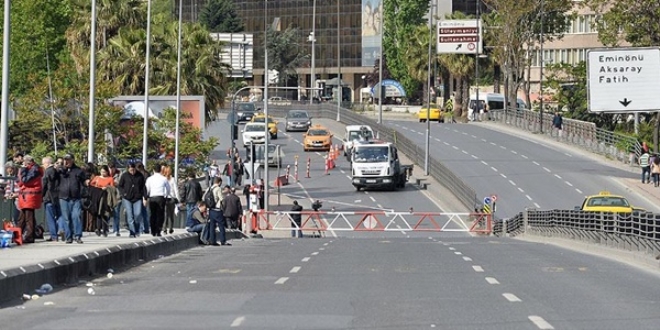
[535, 163]
[464, 133]
[372, 198]
[445, 142]
[379, 206]
[23, 269]
[321, 249]
[281, 280]
[318, 153]
[404, 127]
[305, 259]
[478, 269]
[512, 183]
[558, 176]
[503, 147]
[420, 133]
[578, 191]
[357, 201]
[484, 140]
[528, 197]
[325, 244]
[567, 154]
[366, 192]
[437, 140]
[474, 156]
[537, 205]
[523, 156]
[473, 136]
[540, 322]
[458, 253]
[493, 143]
[465, 152]
[546, 169]
[483, 162]
[467, 258]
[568, 183]
[452, 249]
[348, 176]
[493, 168]
[56, 262]
[294, 270]
[492, 280]
[238, 321]
[296, 140]
[315, 253]
[414, 131]
[41, 266]
[514, 152]
[502, 175]
[521, 190]
[3, 273]
[455, 130]
[455, 147]
[511, 297]
[342, 171]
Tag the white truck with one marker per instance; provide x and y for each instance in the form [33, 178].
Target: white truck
[354, 133]
[375, 164]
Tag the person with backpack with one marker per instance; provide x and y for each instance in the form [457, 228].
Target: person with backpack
[213, 200]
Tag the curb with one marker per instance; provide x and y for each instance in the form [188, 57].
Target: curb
[69, 270]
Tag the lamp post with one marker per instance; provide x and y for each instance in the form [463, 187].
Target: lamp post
[380, 65]
[92, 84]
[145, 115]
[266, 83]
[178, 96]
[428, 109]
[541, 72]
[4, 112]
[312, 38]
[340, 88]
[476, 110]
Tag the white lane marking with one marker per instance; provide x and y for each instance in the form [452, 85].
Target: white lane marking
[325, 244]
[483, 162]
[458, 253]
[467, 258]
[512, 183]
[357, 201]
[492, 280]
[535, 163]
[420, 133]
[523, 156]
[528, 197]
[568, 183]
[315, 253]
[578, 191]
[349, 177]
[455, 130]
[483, 140]
[567, 154]
[281, 280]
[503, 147]
[342, 171]
[493, 168]
[404, 127]
[473, 136]
[445, 142]
[318, 153]
[366, 192]
[511, 297]
[437, 140]
[455, 147]
[414, 131]
[452, 249]
[321, 249]
[295, 270]
[546, 169]
[502, 175]
[379, 206]
[493, 143]
[474, 156]
[465, 152]
[238, 321]
[464, 133]
[514, 152]
[372, 198]
[537, 205]
[296, 140]
[478, 269]
[558, 176]
[521, 190]
[305, 259]
[540, 322]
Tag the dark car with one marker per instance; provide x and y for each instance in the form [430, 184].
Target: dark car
[298, 120]
[245, 111]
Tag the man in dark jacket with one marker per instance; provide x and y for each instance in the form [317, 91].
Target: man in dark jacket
[131, 188]
[231, 208]
[50, 181]
[69, 191]
[296, 218]
[192, 193]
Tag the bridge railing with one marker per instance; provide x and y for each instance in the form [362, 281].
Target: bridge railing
[575, 132]
[637, 231]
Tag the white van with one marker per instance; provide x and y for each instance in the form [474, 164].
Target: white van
[353, 133]
[495, 101]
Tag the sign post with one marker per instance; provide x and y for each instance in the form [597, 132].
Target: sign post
[623, 79]
[460, 37]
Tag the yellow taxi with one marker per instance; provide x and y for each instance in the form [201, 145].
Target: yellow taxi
[606, 202]
[272, 123]
[317, 138]
[436, 114]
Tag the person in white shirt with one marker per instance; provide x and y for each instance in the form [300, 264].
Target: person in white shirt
[157, 189]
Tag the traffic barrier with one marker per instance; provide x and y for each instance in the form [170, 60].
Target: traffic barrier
[281, 180]
[295, 169]
[309, 164]
[288, 171]
[327, 164]
[380, 221]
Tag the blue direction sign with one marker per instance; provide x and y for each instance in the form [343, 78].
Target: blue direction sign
[487, 200]
[232, 118]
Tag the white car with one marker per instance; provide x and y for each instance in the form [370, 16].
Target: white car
[254, 133]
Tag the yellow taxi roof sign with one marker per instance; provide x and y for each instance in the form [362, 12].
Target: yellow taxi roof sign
[604, 193]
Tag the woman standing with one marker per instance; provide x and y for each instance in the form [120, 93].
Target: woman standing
[29, 196]
[11, 190]
[102, 181]
[171, 201]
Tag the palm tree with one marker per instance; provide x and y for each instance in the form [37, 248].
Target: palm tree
[122, 61]
[285, 53]
[417, 57]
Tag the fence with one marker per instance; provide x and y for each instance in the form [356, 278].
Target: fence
[575, 132]
[637, 231]
[438, 171]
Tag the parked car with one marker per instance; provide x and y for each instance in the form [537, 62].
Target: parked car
[254, 133]
[245, 111]
[297, 120]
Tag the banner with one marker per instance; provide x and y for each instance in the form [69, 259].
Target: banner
[372, 14]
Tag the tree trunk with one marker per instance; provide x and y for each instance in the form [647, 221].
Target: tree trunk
[458, 107]
[497, 78]
[465, 99]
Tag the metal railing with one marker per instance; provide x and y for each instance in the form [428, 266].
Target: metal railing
[575, 132]
[637, 231]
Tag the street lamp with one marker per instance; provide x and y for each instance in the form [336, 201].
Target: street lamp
[340, 88]
[380, 65]
[312, 39]
[92, 84]
[178, 96]
[145, 115]
[541, 72]
[476, 110]
[428, 109]
[4, 113]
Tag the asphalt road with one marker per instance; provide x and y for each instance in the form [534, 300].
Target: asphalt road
[335, 189]
[522, 173]
[370, 283]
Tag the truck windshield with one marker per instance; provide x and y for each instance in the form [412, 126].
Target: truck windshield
[371, 154]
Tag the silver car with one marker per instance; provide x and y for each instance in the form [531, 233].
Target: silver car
[297, 120]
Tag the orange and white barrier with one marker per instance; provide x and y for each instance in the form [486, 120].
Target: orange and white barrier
[309, 164]
[295, 169]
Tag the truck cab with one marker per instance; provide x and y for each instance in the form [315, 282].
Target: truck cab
[376, 164]
[355, 133]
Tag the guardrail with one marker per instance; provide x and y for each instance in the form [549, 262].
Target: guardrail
[575, 132]
[637, 231]
[438, 171]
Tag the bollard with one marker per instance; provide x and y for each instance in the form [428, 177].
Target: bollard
[288, 171]
[327, 165]
[309, 160]
[295, 168]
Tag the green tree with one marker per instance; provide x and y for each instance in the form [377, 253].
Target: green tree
[417, 57]
[285, 53]
[220, 16]
[401, 19]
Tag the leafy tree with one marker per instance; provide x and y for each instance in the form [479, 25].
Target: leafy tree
[285, 53]
[401, 18]
[417, 57]
[373, 77]
[220, 16]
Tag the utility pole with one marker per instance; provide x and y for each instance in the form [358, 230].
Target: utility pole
[339, 87]
[4, 121]
[541, 72]
[476, 109]
[92, 86]
[380, 65]
[428, 109]
[312, 38]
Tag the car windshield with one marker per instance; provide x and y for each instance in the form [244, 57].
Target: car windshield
[245, 107]
[608, 201]
[297, 115]
[317, 132]
[262, 120]
[254, 128]
[370, 154]
[356, 135]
